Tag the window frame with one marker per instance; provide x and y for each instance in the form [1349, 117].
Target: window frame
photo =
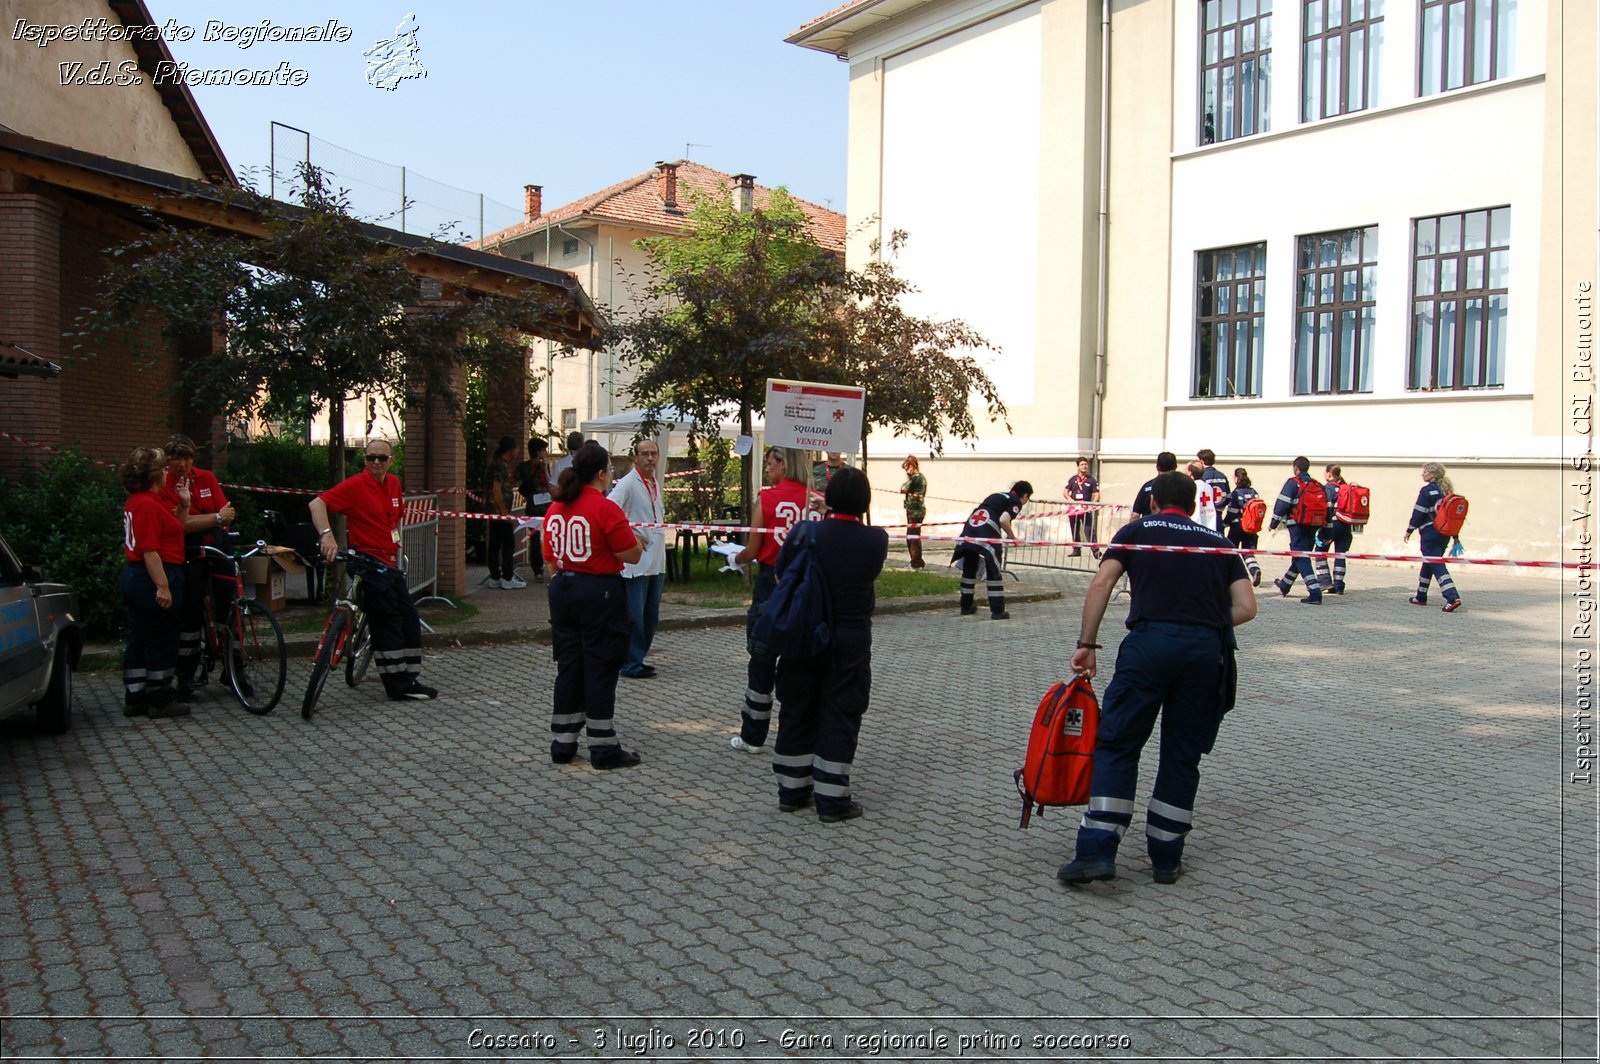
[1309, 280]
[1501, 23]
[1206, 324]
[1370, 26]
[1490, 358]
[1260, 31]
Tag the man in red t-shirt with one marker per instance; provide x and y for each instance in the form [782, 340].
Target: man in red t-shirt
[209, 511]
[370, 501]
[782, 505]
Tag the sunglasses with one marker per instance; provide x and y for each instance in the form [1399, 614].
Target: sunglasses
[379, 457]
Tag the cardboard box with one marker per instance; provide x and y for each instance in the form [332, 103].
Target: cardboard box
[266, 576]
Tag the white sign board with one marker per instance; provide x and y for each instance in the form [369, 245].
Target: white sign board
[814, 417]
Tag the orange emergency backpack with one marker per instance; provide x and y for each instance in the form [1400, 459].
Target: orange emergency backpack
[1354, 505]
[1450, 514]
[1060, 748]
[1253, 517]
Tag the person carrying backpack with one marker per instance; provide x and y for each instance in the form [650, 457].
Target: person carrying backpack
[1302, 506]
[1335, 535]
[1233, 512]
[822, 698]
[1434, 543]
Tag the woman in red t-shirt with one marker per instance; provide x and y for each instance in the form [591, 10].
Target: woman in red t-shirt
[586, 541]
[152, 542]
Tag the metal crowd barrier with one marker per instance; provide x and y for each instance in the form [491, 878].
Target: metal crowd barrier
[1096, 527]
[419, 546]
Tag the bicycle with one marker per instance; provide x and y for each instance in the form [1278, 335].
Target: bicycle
[248, 645]
[345, 637]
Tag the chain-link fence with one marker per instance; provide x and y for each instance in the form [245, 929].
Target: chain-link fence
[383, 193]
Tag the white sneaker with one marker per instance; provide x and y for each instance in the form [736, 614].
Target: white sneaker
[514, 583]
[738, 743]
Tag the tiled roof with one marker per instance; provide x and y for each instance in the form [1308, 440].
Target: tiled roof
[637, 201]
[825, 16]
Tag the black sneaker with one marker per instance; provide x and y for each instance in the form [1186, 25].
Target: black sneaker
[1167, 875]
[562, 753]
[1255, 578]
[171, 709]
[1003, 615]
[139, 710]
[621, 759]
[417, 692]
[1283, 588]
[794, 804]
[968, 611]
[1086, 870]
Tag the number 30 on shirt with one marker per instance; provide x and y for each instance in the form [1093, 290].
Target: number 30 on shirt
[570, 540]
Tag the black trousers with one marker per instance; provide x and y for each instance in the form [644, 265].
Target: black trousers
[502, 563]
[823, 699]
[989, 557]
[396, 628]
[589, 629]
[755, 719]
[151, 656]
[202, 576]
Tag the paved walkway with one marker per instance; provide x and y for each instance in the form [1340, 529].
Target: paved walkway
[1388, 862]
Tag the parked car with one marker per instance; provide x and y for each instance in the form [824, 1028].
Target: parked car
[41, 641]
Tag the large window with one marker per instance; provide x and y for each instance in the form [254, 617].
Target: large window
[1336, 276]
[1343, 42]
[1235, 63]
[1230, 305]
[1459, 283]
[1465, 42]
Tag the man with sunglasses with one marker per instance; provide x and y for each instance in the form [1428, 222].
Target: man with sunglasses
[370, 501]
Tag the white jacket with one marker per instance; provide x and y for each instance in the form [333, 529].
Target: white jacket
[643, 505]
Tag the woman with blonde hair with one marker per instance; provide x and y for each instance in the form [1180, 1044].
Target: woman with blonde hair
[1436, 485]
[915, 489]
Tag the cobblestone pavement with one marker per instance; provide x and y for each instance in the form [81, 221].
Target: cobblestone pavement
[1388, 861]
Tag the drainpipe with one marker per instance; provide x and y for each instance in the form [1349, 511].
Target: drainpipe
[1102, 293]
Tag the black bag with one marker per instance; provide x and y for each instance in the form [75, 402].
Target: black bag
[797, 618]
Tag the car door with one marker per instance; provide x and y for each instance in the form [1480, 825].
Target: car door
[22, 650]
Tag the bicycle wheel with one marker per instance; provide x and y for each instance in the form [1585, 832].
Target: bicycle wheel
[327, 654]
[254, 659]
[358, 653]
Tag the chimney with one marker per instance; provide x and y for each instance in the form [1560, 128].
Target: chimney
[667, 183]
[532, 201]
[744, 192]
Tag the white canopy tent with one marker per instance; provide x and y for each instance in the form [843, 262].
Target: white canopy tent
[672, 428]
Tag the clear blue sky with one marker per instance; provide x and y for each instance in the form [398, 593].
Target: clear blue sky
[573, 95]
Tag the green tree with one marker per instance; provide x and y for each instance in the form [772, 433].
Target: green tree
[741, 297]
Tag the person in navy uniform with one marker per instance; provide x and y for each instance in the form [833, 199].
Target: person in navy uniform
[587, 540]
[1434, 543]
[991, 520]
[1143, 504]
[1336, 536]
[1300, 538]
[1083, 488]
[1213, 475]
[823, 698]
[1177, 659]
[209, 511]
[1232, 512]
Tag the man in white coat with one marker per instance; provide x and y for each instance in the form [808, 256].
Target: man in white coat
[639, 496]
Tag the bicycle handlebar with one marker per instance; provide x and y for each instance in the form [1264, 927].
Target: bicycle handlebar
[206, 548]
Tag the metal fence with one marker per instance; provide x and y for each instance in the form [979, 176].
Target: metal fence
[1068, 533]
[383, 193]
[419, 546]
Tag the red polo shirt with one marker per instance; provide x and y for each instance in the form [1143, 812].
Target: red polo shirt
[781, 507]
[148, 524]
[584, 535]
[205, 497]
[372, 507]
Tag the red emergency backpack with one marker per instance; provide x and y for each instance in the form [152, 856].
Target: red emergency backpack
[1060, 748]
[1253, 517]
[1311, 508]
[1354, 504]
[1450, 514]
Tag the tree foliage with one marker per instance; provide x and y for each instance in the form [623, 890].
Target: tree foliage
[311, 312]
[748, 295]
[737, 299]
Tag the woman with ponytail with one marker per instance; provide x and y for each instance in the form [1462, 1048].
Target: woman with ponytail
[1436, 485]
[586, 541]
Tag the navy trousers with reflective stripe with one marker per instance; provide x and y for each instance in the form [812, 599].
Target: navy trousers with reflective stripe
[1434, 544]
[755, 719]
[396, 629]
[1302, 538]
[151, 655]
[1174, 670]
[589, 630]
[987, 555]
[823, 699]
